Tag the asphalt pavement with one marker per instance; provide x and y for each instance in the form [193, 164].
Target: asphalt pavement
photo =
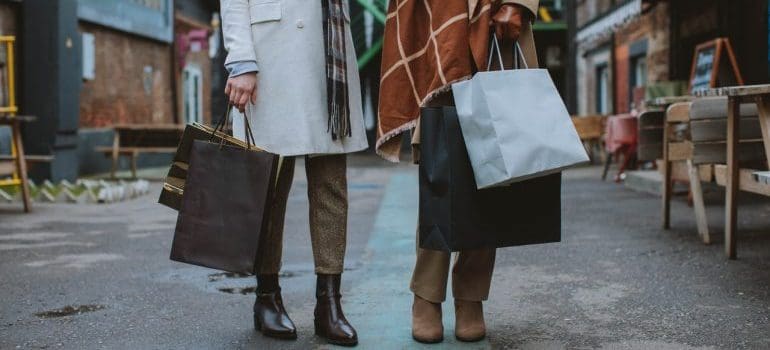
[98, 276]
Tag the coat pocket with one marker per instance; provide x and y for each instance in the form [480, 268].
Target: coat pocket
[265, 11]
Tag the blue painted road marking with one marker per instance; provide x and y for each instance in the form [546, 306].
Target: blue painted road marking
[380, 307]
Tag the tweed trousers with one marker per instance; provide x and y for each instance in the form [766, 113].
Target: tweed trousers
[327, 192]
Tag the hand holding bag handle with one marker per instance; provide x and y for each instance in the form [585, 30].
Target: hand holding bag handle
[250, 140]
[518, 55]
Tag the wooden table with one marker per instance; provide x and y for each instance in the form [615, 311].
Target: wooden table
[19, 158]
[665, 102]
[759, 94]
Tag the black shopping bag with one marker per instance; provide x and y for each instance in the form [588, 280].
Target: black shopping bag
[456, 216]
[225, 205]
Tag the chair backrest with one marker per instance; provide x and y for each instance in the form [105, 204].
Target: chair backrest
[651, 124]
[708, 132]
[678, 112]
[589, 127]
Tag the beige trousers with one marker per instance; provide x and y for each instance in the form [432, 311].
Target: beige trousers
[471, 274]
[327, 192]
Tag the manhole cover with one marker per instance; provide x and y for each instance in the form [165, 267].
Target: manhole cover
[70, 310]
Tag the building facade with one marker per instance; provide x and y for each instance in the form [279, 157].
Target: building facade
[550, 32]
[87, 65]
[626, 51]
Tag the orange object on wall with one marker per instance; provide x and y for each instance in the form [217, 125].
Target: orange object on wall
[622, 75]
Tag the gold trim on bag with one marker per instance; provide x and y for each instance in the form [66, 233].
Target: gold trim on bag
[228, 138]
[173, 189]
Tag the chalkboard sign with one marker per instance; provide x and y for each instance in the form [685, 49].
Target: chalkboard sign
[710, 69]
[704, 69]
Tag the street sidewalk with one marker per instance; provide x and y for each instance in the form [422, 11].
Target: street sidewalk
[617, 281]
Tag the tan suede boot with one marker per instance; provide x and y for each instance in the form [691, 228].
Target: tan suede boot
[426, 321]
[469, 324]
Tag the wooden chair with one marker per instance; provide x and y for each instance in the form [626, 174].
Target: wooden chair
[135, 139]
[590, 129]
[621, 138]
[696, 133]
[651, 125]
[678, 151]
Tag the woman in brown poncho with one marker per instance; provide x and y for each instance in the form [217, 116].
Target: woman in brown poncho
[430, 44]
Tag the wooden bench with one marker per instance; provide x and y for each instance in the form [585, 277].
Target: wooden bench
[590, 129]
[135, 139]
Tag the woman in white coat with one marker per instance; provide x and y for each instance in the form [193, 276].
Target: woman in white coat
[293, 74]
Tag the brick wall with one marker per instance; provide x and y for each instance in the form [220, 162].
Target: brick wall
[588, 10]
[654, 27]
[622, 79]
[133, 81]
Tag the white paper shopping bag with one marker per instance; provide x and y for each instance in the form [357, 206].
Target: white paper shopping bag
[515, 125]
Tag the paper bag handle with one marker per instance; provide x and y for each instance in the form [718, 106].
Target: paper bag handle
[518, 55]
[250, 140]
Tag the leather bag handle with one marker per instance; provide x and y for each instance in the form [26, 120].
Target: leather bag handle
[250, 140]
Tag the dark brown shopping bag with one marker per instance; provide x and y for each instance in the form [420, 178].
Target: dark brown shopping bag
[173, 186]
[456, 216]
[225, 205]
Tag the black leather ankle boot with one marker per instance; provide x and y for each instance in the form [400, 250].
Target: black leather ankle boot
[330, 321]
[270, 316]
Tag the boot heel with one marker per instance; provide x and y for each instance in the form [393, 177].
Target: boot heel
[270, 316]
[330, 322]
[257, 324]
[318, 329]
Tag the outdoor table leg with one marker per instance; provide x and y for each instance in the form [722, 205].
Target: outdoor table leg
[763, 106]
[115, 155]
[731, 208]
[21, 165]
[667, 187]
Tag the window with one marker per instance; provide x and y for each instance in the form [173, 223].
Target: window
[603, 89]
[638, 71]
[637, 81]
[192, 80]
[89, 56]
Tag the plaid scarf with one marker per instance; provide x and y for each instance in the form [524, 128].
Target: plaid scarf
[336, 69]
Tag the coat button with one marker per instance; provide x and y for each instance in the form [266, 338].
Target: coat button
[300, 24]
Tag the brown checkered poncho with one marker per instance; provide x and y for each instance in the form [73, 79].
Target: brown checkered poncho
[429, 44]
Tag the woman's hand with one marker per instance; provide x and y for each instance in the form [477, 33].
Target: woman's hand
[509, 20]
[242, 89]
